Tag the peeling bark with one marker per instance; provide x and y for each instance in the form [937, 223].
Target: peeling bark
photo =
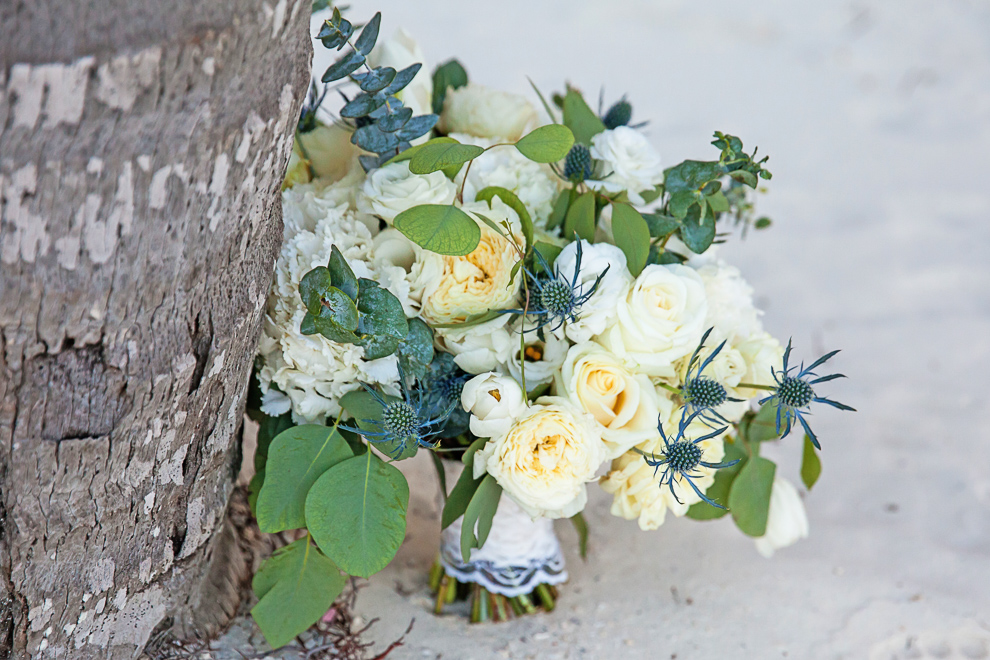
[142, 146]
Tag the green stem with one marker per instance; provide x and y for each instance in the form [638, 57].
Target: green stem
[670, 388]
[441, 595]
[753, 386]
[543, 591]
[436, 575]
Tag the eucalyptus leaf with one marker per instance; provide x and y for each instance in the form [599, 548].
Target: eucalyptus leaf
[632, 236]
[698, 229]
[560, 207]
[691, 175]
[396, 120]
[718, 202]
[681, 202]
[546, 144]
[749, 495]
[295, 587]
[296, 459]
[440, 228]
[417, 127]
[341, 275]
[416, 350]
[477, 522]
[343, 67]
[362, 105]
[382, 323]
[436, 156]
[763, 426]
[363, 407]
[371, 138]
[661, 225]
[811, 464]
[403, 78]
[580, 217]
[407, 154]
[376, 80]
[369, 35]
[512, 201]
[356, 512]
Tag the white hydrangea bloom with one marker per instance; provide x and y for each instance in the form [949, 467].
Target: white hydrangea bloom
[312, 371]
[730, 302]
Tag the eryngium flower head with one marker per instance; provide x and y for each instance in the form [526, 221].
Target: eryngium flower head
[577, 165]
[682, 457]
[703, 394]
[618, 115]
[795, 392]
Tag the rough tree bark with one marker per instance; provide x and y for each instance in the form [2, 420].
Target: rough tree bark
[142, 145]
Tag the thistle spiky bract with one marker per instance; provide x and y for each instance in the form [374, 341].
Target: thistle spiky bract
[793, 394]
[417, 418]
[555, 299]
[702, 394]
[681, 457]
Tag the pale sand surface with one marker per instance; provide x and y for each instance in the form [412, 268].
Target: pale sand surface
[876, 116]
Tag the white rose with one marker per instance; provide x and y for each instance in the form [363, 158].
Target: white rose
[730, 301]
[401, 52]
[329, 151]
[479, 348]
[392, 189]
[405, 269]
[631, 162]
[787, 522]
[486, 113]
[660, 319]
[534, 184]
[636, 487]
[544, 461]
[494, 401]
[598, 312]
[481, 281]
[543, 357]
[762, 353]
[624, 404]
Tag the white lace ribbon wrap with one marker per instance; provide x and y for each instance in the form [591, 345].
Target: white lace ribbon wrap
[520, 553]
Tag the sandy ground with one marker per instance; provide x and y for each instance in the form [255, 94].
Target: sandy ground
[877, 119]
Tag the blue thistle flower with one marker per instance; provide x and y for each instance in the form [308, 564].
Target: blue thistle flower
[618, 115]
[444, 381]
[701, 393]
[793, 394]
[554, 298]
[681, 457]
[578, 165]
[417, 418]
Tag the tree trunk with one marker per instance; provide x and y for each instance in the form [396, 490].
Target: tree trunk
[142, 147]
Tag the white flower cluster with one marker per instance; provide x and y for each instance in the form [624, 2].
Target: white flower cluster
[562, 406]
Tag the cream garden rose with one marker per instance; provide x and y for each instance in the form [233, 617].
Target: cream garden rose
[624, 404]
[405, 269]
[392, 189]
[787, 522]
[494, 401]
[659, 320]
[762, 353]
[633, 485]
[545, 459]
[631, 162]
[487, 113]
[480, 281]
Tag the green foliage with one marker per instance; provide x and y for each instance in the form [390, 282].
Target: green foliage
[465, 488]
[356, 512]
[632, 236]
[581, 527]
[661, 225]
[580, 217]
[749, 495]
[811, 464]
[382, 325]
[295, 587]
[296, 459]
[341, 275]
[440, 228]
[546, 144]
[478, 516]
[580, 118]
[268, 428]
[407, 154]
[549, 252]
[760, 427]
[698, 229]
[450, 74]
[560, 207]
[416, 350]
[719, 490]
[436, 155]
[366, 410]
[512, 201]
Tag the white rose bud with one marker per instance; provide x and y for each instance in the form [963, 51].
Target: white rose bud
[787, 522]
[494, 402]
[487, 113]
[631, 162]
[392, 189]
[660, 319]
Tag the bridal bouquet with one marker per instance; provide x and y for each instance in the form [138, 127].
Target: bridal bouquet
[532, 298]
